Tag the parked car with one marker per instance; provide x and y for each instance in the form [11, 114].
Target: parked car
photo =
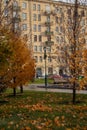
[54, 76]
[65, 76]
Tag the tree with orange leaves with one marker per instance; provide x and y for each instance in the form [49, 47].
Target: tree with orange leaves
[20, 67]
[76, 36]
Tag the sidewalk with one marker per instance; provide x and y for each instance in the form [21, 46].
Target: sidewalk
[36, 87]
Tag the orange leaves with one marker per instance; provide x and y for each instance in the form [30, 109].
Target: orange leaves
[38, 107]
[26, 128]
[41, 107]
[59, 121]
[21, 65]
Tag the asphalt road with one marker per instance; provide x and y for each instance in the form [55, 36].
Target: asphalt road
[41, 87]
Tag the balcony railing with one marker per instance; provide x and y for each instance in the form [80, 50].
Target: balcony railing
[54, 12]
[47, 23]
[49, 12]
[48, 32]
[16, 8]
[49, 43]
[16, 19]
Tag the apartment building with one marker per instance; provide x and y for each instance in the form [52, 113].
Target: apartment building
[43, 24]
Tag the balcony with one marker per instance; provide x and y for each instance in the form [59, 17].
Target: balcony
[53, 12]
[48, 23]
[46, 12]
[49, 12]
[16, 8]
[49, 43]
[16, 19]
[47, 33]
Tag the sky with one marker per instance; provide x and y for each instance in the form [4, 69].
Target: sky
[64, 0]
[82, 1]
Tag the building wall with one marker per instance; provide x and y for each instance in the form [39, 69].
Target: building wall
[33, 27]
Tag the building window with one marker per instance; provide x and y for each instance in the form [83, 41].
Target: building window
[38, 72]
[25, 37]
[48, 29]
[36, 58]
[38, 7]
[14, 14]
[82, 13]
[57, 39]
[61, 19]
[40, 58]
[5, 2]
[48, 9]
[49, 49]
[57, 29]
[34, 17]
[83, 30]
[40, 38]
[50, 70]
[49, 59]
[61, 40]
[5, 12]
[61, 29]
[83, 22]
[40, 48]
[35, 48]
[16, 26]
[35, 38]
[34, 7]
[24, 5]
[69, 11]
[34, 27]
[48, 18]
[56, 19]
[59, 10]
[39, 17]
[24, 16]
[39, 28]
[24, 27]
[15, 3]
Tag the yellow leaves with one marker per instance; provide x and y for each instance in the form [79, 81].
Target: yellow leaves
[11, 123]
[63, 117]
[68, 129]
[41, 107]
[37, 107]
[59, 121]
[39, 127]
[26, 128]
[56, 120]
[42, 123]
[21, 63]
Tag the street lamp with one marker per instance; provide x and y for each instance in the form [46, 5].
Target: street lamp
[45, 57]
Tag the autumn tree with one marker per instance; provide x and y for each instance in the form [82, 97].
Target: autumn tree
[17, 61]
[76, 34]
[5, 59]
[22, 67]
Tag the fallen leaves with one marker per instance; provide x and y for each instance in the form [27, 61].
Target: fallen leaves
[29, 113]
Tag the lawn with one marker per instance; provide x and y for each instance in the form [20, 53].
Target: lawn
[43, 111]
[41, 81]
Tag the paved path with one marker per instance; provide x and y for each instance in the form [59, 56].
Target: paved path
[36, 88]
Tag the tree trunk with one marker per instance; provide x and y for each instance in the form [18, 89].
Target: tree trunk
[21, 88]
[14, 91]
[74, 93]
[75, 19]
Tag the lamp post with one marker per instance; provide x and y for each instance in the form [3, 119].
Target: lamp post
[45, 57]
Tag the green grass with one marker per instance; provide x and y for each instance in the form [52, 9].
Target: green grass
[40, 81]
[43, 111]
